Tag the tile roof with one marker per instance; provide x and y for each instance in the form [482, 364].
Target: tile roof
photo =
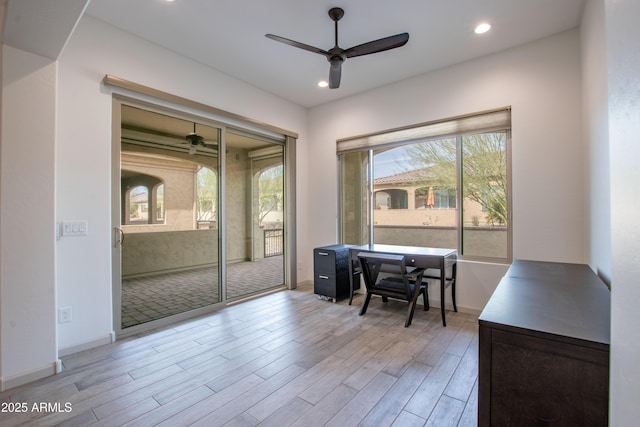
[408, 176]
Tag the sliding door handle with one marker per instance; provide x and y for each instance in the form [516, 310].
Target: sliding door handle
[118, 237]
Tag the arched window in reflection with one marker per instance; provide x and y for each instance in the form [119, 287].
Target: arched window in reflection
[206, 198]
[139, 204]
[159, 208]
[271, 195]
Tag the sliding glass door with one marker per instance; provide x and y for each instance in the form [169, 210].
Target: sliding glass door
[200, 219]
[169, 216]
[254, 214]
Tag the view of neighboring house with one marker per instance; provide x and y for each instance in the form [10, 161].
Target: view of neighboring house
[416, 200]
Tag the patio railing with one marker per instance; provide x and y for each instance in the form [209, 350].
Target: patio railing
[273, 242]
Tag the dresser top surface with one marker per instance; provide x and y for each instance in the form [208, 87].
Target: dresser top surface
[560, 299]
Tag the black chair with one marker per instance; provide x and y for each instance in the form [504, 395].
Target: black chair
[356, 272]
[396, 282]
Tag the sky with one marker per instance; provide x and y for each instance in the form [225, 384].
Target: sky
[390, 162]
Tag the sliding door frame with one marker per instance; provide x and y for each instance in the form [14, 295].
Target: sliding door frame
[127, 93]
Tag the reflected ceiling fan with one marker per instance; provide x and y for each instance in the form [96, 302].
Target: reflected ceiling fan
[196, 140]
[336, 55]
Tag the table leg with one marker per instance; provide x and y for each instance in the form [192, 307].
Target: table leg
[350, 279]
[453, 286]
[443, 278]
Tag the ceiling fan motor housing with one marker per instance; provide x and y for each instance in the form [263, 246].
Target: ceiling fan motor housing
[336, 13]
[194, 138]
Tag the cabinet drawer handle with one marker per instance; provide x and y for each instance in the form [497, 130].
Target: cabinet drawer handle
[323, 277]
[323, 253]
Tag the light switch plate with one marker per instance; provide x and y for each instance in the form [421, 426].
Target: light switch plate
[74, 228]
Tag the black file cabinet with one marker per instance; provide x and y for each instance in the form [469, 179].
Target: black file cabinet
[331, 271]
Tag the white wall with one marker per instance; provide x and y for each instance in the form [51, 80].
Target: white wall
[541, 81]
[27, 239]
[623, 73]
[83, 164]
[596, 136]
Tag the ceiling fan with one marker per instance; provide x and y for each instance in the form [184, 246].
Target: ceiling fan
[336, 55]
[196, 140]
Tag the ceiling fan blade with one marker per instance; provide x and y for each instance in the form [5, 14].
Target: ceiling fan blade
[335, 73]
[297, 44]
[379, 45]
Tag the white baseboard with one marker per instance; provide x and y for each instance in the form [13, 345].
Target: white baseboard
[305, 283]
[433, 302]
[26, 377]
[87, 345]
[54, 368]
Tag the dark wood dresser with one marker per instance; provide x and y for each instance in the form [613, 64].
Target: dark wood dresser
[331, 271]
[544, 348]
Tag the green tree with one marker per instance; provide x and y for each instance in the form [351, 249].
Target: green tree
[484, 169]
[271, 190]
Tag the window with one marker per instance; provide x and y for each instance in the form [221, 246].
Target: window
[271, 196]
[142, 197]
[206, 198]
[391, 199]
[443, 184]
[160, 204]
[139, 204]
[484, 194]
[444, 199]
[435, 198]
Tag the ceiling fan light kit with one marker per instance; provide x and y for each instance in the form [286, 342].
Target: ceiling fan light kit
[196, 140]
[336, 55]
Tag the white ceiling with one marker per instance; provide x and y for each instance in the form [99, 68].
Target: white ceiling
[228, 35]
[40, 26]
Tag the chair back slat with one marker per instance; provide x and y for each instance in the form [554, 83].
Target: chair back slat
[375, 263]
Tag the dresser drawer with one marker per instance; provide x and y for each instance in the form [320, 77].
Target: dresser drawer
[540, 382]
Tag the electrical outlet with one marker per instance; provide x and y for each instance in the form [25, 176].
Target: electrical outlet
[64, 315]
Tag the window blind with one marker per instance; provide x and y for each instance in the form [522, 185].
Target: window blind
[486, 121]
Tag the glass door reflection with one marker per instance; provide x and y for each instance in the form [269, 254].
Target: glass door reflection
[254, 214]
[169, 217]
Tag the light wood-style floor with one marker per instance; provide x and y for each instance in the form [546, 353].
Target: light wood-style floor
[287, 358]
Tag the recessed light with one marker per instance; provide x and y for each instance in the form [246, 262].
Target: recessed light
[482, 28]
[323, 83]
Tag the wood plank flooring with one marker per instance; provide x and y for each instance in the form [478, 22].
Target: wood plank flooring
[284, 359]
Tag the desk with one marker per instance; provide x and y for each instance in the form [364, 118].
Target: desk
[434, 258]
